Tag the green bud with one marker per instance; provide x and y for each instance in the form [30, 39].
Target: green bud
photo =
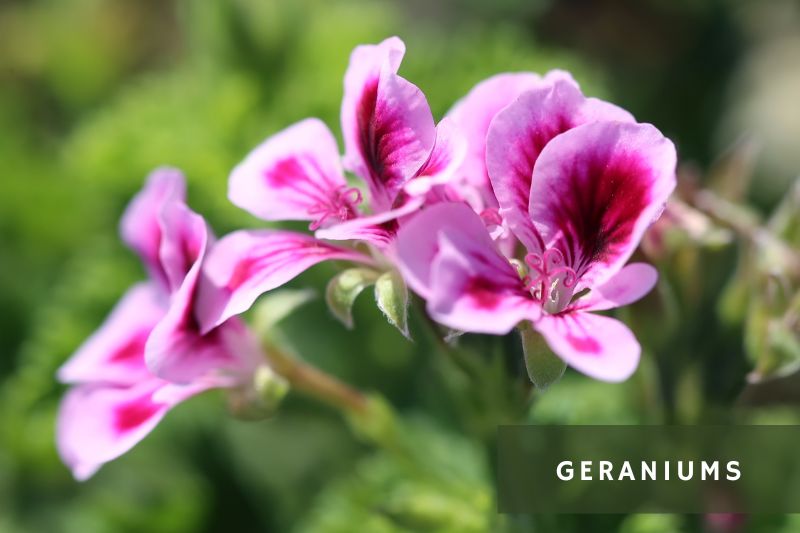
[344, 288]
[260, 398]
[391, 296]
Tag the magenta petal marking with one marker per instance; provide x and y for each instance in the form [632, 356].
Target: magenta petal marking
[483, 292]
[473, 114]
[596, 189]
[519, 133]
[99, 422]
[135, 412]
[132, 351]
[477, 290]
[115, 352]
[387, 125]
[586, 345]
[599, 346]
[293, 175]
[245, 264]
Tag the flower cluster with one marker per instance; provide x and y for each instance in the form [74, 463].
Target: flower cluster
[523, 204]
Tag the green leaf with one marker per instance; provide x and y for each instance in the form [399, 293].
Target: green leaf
[544, 367]
[391, 294]
[344, 288]
[442, 484]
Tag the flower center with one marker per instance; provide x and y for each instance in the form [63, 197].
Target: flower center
[339, 206]
[551, 282]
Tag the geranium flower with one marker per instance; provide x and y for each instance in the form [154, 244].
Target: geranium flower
[391, 143]
[149, 356]
[578, 182]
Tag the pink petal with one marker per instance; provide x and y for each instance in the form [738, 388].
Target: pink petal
[473, 288]
[473, 114]
[445, 159]
[596, 189]
[141, 227]
[115, 353]
[387, 125]
[178, 352]
[519, 133]
[98, 423]
[628, 285]
[290, 176]
[600, 347]
[245, 264]
[419, 244]
[379, 229]
[185, 237]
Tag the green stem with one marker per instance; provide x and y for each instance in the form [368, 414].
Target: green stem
[371, 417]
[314, 382]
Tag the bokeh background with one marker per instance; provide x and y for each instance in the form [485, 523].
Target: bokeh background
[96, 93]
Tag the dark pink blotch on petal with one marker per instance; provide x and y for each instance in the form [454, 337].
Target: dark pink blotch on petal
[132, 414]
[585, 345]
[387, 124]
[133, 350]
[295, 174]
[599, 346]
[115, 352]
[483, 292]
[285, 173]
[185, 237]
[473, 115]
[519, 133]
[475, 289]
[596, 189]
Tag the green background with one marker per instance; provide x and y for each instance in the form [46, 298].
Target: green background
[95, 93]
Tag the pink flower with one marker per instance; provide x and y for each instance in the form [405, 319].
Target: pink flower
[578, 182]
[391, 143]
[149, 356]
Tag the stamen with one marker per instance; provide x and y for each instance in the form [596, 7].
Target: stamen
[341, 205]
[551, 281]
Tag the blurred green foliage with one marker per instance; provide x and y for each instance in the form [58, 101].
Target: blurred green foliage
[96, 93]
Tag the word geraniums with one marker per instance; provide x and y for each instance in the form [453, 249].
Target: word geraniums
[522, 205]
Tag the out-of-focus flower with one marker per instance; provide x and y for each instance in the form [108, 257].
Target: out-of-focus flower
[578, 182]
[725, 522]
[149, 355]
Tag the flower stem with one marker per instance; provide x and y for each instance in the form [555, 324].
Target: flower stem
[314, 382]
